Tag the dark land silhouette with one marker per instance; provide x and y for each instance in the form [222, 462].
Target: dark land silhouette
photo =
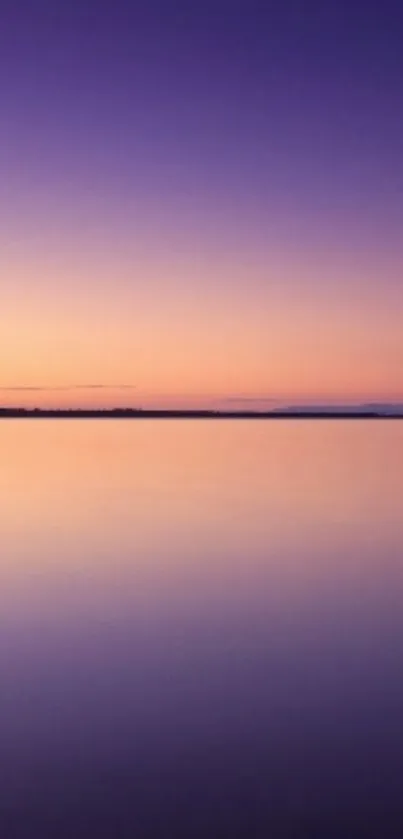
[138, 413]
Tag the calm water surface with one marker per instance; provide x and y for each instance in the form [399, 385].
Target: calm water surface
[201, 629]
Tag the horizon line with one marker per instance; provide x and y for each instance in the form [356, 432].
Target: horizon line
[363, 411]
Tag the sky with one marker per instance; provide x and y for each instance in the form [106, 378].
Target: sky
[201, 203]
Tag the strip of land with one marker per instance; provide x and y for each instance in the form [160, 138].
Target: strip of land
[134, 413]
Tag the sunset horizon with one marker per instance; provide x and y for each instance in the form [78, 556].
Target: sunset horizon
[201, 419]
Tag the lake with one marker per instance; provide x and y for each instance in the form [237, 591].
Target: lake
[201, 629]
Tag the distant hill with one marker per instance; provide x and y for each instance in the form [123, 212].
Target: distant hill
[379, 408]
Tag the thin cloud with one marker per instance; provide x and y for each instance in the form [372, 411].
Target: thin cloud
[48, 388]
[251, 399]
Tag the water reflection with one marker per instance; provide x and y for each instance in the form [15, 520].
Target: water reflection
[201, 628]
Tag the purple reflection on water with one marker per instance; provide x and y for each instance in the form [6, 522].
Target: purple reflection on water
[201, 631]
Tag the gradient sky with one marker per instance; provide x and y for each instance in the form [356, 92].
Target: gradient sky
[201, 203]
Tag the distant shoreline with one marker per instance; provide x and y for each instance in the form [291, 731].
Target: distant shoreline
[133, 414]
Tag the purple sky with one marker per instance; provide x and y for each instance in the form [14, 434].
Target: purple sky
[237, 166]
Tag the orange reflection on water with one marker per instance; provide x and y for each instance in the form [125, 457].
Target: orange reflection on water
[136, 513]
